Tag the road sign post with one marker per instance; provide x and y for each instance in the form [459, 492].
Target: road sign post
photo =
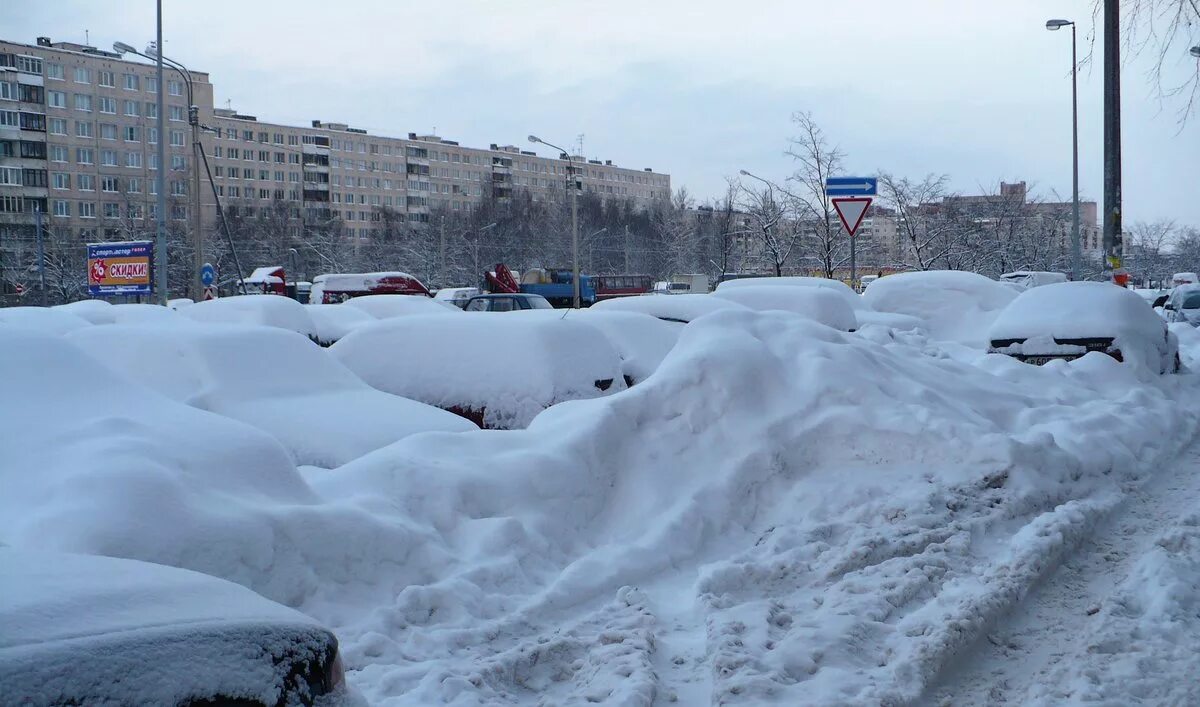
[854, 197]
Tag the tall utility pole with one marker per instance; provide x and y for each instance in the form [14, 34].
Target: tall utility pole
[160, 180]
[37, 219]
[442, 254]
[1112, 137]
[573, 185]
[197, 222]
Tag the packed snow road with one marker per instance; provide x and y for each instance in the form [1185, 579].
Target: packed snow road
[1117, 623]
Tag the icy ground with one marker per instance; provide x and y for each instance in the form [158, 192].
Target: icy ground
[781, 514]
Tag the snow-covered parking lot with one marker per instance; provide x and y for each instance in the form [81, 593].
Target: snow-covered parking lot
[778, 512]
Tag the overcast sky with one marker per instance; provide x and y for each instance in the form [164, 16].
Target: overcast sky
[976, 90]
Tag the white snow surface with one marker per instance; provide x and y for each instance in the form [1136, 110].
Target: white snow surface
[679, 308]
[116, 631]
[641, 340]
[265, 310]
[268, 378]
[333, 321]
[509, 368]
[820, 304]
[954, 306]
[96, 311]
[389, 306]
[47, 320]
[842, 289]
[780, 514]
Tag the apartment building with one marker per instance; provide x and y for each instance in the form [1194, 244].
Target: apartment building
[79, 137]
[332, 170]
[78, 143]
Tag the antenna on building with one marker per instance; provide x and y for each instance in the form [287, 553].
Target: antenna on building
[579, 138]
[87, 38]
[229, 104]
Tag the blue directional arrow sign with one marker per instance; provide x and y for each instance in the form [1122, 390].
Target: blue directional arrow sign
[207, 274]
[850, 186]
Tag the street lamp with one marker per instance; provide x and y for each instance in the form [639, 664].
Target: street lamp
[1076, 256]
[153, 54]
[574, 186]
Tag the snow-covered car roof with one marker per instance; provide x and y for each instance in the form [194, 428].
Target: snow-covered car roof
[952, 305]
[1077, 310]
[676, 308]
[264, 275]
[819, 304]
[271, 379]
[642, 341]
[333, 321]
[509, 367]
[389, 306]
[82, 629]
[96, 311]
[264, 310]
[842, 289]
[49, 320]
[449, 293]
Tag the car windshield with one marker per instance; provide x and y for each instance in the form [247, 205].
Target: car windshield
[539, 303]
[1191, 300]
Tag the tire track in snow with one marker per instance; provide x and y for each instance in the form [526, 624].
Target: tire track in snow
[1049, 628]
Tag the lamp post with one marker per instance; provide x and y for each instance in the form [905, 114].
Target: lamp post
[1076, 255]
[574, 186]
[153, 53]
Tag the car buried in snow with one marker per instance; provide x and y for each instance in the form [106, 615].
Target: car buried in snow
[1069, 320]
[1184, 305]
[89, 630]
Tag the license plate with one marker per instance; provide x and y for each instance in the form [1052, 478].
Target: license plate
[1040, 360]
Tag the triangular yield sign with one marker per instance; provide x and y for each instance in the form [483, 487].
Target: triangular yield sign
[850, 210]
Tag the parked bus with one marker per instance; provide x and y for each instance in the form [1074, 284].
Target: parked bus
[611, 286]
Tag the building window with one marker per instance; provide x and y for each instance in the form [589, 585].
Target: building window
[58, 153]
[108, 131]
[280, 158]
[175, 113]
[108, 158]
[109, 184]
[133, 133]
[264, 174]
[132, 83]
[179, 212]
[62, 207]
[131, 108]
[178, 162]
[55, 71]
[56, 99]
[108, 105]
[248, 135]
[61, 180]
[87, 209]
[293, 140]
[176, 138]
[247, 173]
[152, 136]
[234, 153]
[151, 84]
[112, 210]
[83, 102]
[152, 162]
[174, 88]
[83, 75]
[279, 175]
[85, 128]
[151, 110]
[105, 78]
[133, 185]
[87, 182]
[135, 211]
[33, 121]
[10, 119]
[10, 176]
[178, 188]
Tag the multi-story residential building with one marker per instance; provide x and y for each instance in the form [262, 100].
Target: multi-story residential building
[78, 142]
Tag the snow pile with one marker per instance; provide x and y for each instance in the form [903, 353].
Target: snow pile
[268, 378]
[809, 517]
[107, 631]
[333, 321]
[1189, 344]
[145, 313]
[389, 306]
[47, 320]
[501, 370]
[954, 306]
[125, 472]
[96, 311]
[263, 310]
[819, 304]
[675, 308]
[838, 287]
[641, 341]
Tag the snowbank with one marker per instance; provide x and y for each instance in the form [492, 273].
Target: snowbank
[389, 306]
[95, 630]
[47, 320]
[264, 310]
[954, 306]
[125, 472]
[837, 286]
[333, 321]
[270, 379]
[504, 369]
[96, 311]
[819, 304]
[675, 308]
[641, 340]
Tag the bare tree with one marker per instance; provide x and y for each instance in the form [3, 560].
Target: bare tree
[817, 161]
[767, 210]
[924, 238]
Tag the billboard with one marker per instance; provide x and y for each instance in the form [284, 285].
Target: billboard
[120, 268]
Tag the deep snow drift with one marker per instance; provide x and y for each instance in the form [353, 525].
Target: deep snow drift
[782, 513]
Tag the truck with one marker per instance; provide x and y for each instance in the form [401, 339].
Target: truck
[555, 284]
[339, 287]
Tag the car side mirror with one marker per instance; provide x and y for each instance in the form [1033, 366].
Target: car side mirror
[1169, 307]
